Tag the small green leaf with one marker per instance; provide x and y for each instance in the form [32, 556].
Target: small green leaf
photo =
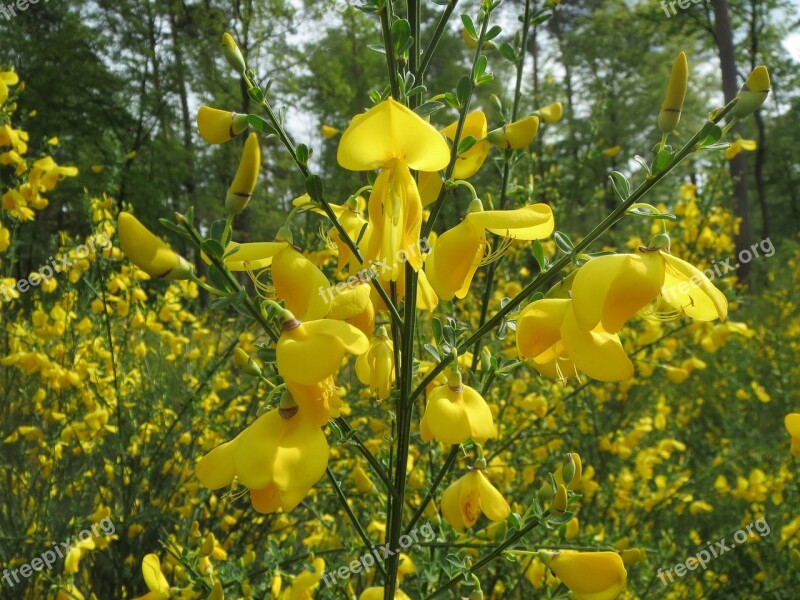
[480, 66]
[432, 350]
[538, 254]
[463, 90]
[256, 94]
[642, 162]
[167, 224]
[314, 188]
[469, 26]
[466, 143]
[563, 242]
[507, 51]
[377, 48]
[213, 248]
[436, 325]
[217, 230]
[621, 182]
[429, 108]
[217, 278]
[493, 32]
[260, 125]
[303, 153]
[662, 160]
[709, 134]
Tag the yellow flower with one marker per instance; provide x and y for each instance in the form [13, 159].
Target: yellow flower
[792, 423]
[455, 413]
[670, 113]
[392, 138]
[737, 146]
[458, 252]
[376, 593]
[5, 239]
[244, 182]
[516, 135]
[305, 582]
[218, 126]
[45, 173]
[154, 579]
[329, 132]
[297, 281]
[551, 113]
[610, 289]
[318, 401]
[375, 368]
[466, 498]
[232, 53]
[309, 352]
[355, 307]
[7, 78]
[279, 457]
[612, 152]
[148, 252]
[548, 333]
[589, 575]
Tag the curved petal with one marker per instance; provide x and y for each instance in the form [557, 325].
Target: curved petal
[308, 359]
[792, 423]
[468, 163]
[252, 256]
[216, 469]
[590, 575]
[144, 249]
[469, 499]
[597, 353]
[350, 304]
[153, 577]
[611, 289]
[353, 340]
[426, 295]
[390, 131]
[539, 326]
[266, 500]
[451, 507]
[302, 455]
[454, 259]
[446, 418]
[430, 184]
[255, 453]
[687, 289]
[493, 505]
[478, 414]
[532, 222]
[300, 284]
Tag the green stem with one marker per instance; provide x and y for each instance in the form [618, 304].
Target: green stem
[343, 499]
[234, 283]
[448, 463]
[487, 291]
[430, 50]
[391, 63]
[303, 168]
[376, 466]
[549, 276]
[492, 555]
[462, 116]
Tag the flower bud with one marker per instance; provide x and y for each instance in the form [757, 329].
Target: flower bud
[218, 126]
[244, 182]
[329, 132]
[753, 94]
[545, 492]
[486, 359]
[559, 504]
[660, 241]
[232, 53]
[670, 113]
[551, 113]
[631, 556]
[568, 470]
[246, 363]
[148, 252]
[515, 135]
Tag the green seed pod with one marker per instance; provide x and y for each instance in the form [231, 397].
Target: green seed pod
[753, 94]
[671, 108]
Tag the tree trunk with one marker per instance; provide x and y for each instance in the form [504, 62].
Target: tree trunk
[738, 166]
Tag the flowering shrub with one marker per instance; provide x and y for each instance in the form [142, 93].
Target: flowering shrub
[560, 417]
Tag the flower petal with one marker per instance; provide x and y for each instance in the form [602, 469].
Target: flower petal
[300, 284]
[454, 259]
[216, 469]
[532, 222]
[610, 289]
[493, 505]
[687, 289]
[252, 256]
[539, 326]
[390, 131]
[597, 353]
